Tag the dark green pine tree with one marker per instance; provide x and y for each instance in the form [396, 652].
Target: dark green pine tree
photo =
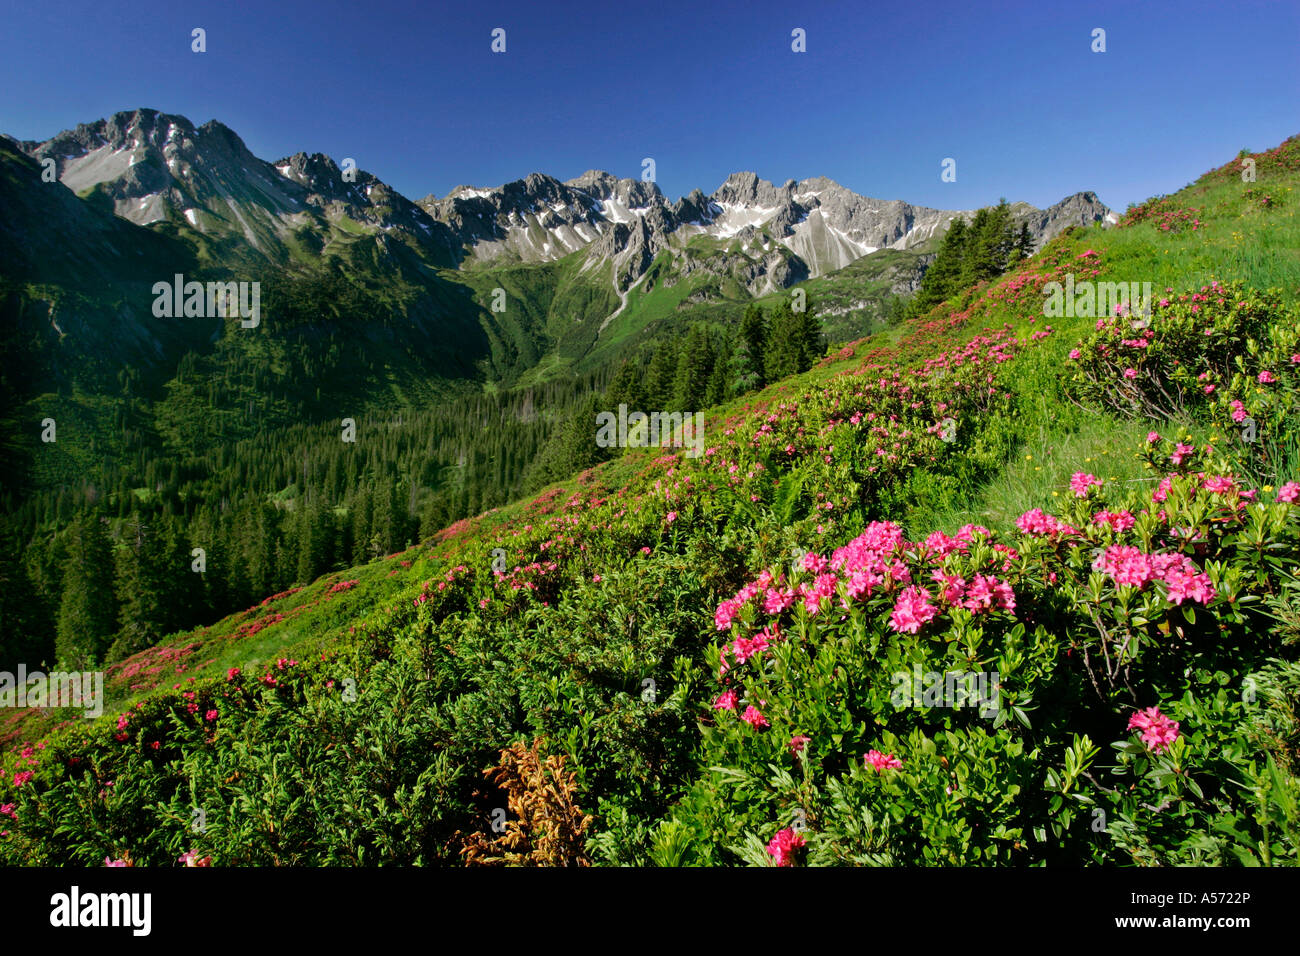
[784, 351]
[360, 510]
[943, 276]
[626, 387]
[88, 608]
[1024, 242]
[719, 389]
[580, 449]
[310, 534]
[990, 244]
[694, 368]
[391, 517]
[259, 548]
[753, 339]
[182, 587]
[216, 580]
[660, 379]
[808, 336]
[142, 583]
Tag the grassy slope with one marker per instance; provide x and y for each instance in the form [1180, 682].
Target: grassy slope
[1237, 238]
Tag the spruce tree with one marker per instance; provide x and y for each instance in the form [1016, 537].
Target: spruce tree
[943, 276]
[660, 379]
[694, 368]
[784, 350]
[719, 389]
[141, 580]
[1025, 241]
[88, 608]
[627, 387]
[753, 336]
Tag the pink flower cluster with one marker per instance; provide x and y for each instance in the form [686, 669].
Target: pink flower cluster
[1126, 565]
[1038, 521]
[1118, 520]
[881, 762]
[1158, 731]
[912, 610]
[1081, 482]
[784, 845]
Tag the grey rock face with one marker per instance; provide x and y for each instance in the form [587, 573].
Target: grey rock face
[155, 167]
[158, 167]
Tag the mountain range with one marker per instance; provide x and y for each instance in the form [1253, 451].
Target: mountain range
[155, 169]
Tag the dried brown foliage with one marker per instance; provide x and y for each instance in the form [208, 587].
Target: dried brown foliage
[544, 826]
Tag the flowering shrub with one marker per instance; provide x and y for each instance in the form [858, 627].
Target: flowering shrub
[1199, 351]
[1076, 617]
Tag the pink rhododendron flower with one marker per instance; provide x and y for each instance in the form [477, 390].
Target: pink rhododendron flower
[1219, 485]
[1152, 437]
[1118, 520]
[797, 744]
[744, 648]
[191, 858]
[1289, 492]
[755, 719]
[1238, 410]
[985, 591]
[783, 846]
[725, 613]
[1081, 482]
[880, 762]
[1158, 731]
[1181, 451]
[1130, 373]
[777, 600]
[1038, 521]
[814, 563]
[112, 862]
[952, 585]
[727, 700]
[1266, 378]
[911, 610]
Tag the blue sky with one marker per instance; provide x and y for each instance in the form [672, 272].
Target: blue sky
[883, 94]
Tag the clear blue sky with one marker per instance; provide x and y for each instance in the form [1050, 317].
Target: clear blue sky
[884, 92]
